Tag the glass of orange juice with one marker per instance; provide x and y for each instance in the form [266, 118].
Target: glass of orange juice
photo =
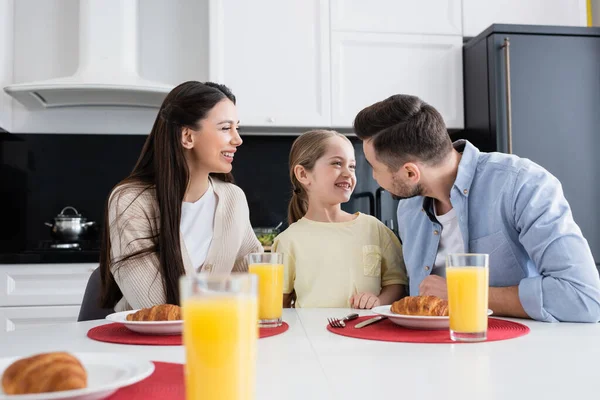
[220, 336]
[467, 278]
[269, 269]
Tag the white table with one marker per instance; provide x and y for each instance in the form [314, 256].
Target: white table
[554, 361]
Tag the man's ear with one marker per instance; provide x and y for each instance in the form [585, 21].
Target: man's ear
[187, 138]
[411, 171]
[302, 175]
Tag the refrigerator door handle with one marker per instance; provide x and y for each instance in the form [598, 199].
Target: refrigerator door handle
[506, 48]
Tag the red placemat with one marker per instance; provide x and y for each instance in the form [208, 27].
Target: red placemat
[118, 333]
[166, 382]
[266, 332]
[387, 331]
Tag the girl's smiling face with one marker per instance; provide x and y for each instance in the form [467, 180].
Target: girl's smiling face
[333, 178]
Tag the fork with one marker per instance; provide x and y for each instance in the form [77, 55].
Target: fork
[339, 323]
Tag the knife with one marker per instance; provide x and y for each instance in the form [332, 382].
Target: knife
[370, 321]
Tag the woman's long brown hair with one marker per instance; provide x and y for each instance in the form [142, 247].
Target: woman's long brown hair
[161, 166]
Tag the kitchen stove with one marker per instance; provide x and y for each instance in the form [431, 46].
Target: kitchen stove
[56, 245]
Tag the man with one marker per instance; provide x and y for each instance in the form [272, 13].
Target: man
[456, 199]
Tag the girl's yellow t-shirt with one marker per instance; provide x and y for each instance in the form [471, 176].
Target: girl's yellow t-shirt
[328, 262]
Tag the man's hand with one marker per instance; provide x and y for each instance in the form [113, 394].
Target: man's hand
[364, 300]
[434, 285]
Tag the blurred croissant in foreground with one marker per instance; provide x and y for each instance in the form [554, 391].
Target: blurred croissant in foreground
[42, 373]
[163, 312]
[430, 306]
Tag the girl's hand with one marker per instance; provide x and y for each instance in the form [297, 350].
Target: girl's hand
[364, 300]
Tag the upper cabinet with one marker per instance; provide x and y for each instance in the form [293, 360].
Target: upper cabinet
[386, 47]
[479, 14]
[289, 67]
[274, 55]
[397, 16]
[369, 67]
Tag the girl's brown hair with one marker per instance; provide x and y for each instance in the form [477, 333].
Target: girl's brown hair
[161, 166]
[306, 150]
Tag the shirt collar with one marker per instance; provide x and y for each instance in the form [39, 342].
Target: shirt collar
[467, 165]
[464, 177]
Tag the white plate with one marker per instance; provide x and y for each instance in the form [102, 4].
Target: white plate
[147, 327]
[106, 373]
[415, 321]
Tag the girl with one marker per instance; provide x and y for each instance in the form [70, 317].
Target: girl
[178, 211]
[333, 258]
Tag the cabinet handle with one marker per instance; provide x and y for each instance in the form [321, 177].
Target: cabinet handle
[506, 47]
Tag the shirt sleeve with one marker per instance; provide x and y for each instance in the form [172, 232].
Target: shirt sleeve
[393, 269]
[130, 229]
[289, 265]
[567, 287]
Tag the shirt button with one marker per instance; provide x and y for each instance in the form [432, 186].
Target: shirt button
[427, 268]
[465, 191]
[207, 268]
[436, 232]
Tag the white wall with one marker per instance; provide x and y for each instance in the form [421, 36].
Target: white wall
[596, 12]
[6, 61]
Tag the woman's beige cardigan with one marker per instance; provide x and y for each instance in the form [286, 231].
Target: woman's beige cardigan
[133, 216]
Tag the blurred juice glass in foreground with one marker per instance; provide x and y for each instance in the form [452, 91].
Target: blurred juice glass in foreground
[220, 334]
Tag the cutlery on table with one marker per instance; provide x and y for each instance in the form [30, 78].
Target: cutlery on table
[339, 323]
[370, 321]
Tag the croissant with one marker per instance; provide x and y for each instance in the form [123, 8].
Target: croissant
[163, 312]
[421, 305]
[47, 372]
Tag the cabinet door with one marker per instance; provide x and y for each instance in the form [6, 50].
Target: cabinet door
[367, 68]
[480, 14]
[43, 284]
[274, 55]
[18, 318]
[397, 16]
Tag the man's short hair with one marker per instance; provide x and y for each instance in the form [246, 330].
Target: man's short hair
[403, 129]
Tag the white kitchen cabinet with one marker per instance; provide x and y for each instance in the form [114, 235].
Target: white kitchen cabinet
[397, 16]
[6, 61]
[18, 318]
[479, 14]
[274, 55]
[40, 294]
[43, 284]
[369, 67]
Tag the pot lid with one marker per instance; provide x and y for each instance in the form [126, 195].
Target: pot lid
[64, 216]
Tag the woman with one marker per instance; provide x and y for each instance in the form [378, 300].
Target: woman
[178, 211]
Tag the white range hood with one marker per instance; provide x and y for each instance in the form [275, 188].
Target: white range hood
[107, 74]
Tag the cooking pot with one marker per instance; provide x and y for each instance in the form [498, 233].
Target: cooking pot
[69, 227]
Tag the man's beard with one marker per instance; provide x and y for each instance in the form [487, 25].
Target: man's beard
[402, 191]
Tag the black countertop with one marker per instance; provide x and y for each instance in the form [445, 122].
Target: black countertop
[50, 257]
